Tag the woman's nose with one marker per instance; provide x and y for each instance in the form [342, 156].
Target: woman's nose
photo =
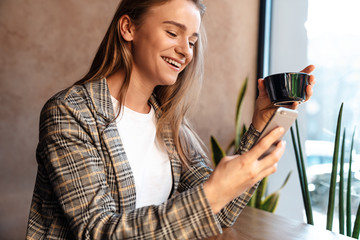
[184, 49]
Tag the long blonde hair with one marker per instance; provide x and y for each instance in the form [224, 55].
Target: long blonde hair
[175, 100]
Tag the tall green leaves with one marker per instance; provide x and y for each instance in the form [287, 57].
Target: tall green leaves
[238, 128]
[216, 150]
[357, 224]
[271, 202]
[331, 203]
[348, 192]
[341, 188]
[302, 173]
[332, 188]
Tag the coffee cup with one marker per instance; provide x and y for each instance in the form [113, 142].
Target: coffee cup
[286, 88]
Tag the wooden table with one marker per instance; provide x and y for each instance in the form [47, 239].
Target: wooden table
[255, 224]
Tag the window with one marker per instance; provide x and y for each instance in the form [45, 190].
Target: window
[325, 33]
[333, 37]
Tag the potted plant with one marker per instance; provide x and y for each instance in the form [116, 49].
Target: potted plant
[344, 216]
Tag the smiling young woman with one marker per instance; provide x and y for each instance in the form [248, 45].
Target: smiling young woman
[117, 157]
[165, 34]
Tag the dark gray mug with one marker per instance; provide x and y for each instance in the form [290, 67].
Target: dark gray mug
[286, 88]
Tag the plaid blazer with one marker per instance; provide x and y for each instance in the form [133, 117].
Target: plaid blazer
[85, 188]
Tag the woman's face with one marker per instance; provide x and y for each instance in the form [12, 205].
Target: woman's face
[163, 44]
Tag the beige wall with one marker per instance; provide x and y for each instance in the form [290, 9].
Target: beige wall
[47, 45]
[232, 28]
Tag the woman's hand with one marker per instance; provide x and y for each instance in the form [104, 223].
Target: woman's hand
[235, 174]
[264, 108]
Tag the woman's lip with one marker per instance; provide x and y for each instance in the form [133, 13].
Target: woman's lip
[176, 62]
[177, 65]
[172, 66]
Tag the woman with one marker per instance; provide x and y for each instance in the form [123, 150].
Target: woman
[134, 99]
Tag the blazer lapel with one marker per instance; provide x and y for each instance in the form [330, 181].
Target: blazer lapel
[121, 174]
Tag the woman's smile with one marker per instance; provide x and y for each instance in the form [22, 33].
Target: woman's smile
[167, 36]
[174, 64]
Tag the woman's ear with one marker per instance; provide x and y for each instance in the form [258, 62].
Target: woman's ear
[127, 28]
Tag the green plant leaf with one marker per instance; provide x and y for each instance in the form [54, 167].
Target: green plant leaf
[236, 149]
[251, 202]
[300, 171]
[303, 175]
[356, 230]
[285, 181]
[260, 192]
[348, 192]
[243, 131]
[238, 113]
[240, 99]
[331, 203]
[270, 202]
[341, 187]
[216, 150]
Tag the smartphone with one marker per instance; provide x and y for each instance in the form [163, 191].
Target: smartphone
[282, 117]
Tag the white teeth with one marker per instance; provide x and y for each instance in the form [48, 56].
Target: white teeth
[172, 62]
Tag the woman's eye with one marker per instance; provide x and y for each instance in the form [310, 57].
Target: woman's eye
[192, 44]
[172, 34]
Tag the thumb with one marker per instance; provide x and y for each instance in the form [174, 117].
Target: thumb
[261, 87]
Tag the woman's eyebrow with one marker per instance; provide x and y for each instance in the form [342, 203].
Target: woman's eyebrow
[181, 26]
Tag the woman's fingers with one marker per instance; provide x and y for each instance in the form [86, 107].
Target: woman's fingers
[308, 69]
[270, 160]
[261, 88]
[265, 143]
[268, 165]
[309, 92]
[312, 80]
[234, 174]
[309, 87]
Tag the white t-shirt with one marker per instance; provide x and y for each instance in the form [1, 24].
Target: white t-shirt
[149, 163]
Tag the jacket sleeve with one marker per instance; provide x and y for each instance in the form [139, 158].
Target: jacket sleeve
[199, 172]
[77, 175]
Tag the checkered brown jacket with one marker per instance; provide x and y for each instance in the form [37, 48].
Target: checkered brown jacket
[85, 188]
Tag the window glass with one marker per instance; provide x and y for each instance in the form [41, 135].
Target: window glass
[333, 35]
